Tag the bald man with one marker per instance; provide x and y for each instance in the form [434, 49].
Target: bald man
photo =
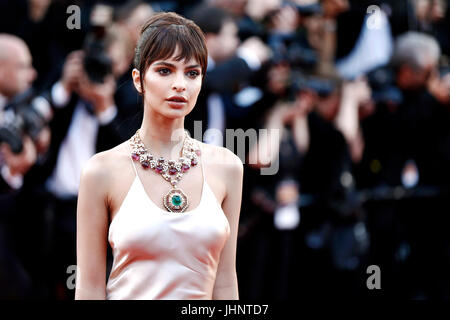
[16, 70]
[16, 76]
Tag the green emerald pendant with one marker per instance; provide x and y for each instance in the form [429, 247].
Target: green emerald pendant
[175, 200]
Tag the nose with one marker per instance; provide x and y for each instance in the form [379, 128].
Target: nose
[179, 83]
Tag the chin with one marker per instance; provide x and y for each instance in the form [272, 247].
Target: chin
[175, 114]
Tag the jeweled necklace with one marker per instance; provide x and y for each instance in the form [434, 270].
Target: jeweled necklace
[171, 170]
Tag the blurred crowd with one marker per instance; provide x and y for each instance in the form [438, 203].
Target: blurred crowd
[356, 99]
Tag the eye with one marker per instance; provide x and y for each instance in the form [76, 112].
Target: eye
[193, 73]
[163, 71]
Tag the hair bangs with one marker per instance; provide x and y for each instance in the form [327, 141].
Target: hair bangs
[168, 39]
[163, 34]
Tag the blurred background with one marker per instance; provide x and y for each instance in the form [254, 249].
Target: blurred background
[360, 94]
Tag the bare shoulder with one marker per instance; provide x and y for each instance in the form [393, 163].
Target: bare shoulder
[221, 156]
[224, 162]
[105, 166]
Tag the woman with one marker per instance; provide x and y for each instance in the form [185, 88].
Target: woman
[172, 225]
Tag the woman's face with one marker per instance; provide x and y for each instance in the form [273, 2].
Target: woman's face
[171, 87]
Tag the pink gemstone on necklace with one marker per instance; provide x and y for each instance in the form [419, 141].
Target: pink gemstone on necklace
[172, 171]
[185, 167]
[145, 164]
[198, 152]
[159, 169]
[135, 156]
[194, 162]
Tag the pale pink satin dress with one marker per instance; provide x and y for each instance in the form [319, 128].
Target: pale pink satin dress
[164, 255]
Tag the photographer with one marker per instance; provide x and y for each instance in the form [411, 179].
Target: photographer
[16, 76]
[24, 137]
[406, 147]
[410, 111]
[423, 122]
[319, 141]
[231, 64]
[86, 120]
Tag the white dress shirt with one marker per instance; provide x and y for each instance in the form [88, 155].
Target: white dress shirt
[78, 146]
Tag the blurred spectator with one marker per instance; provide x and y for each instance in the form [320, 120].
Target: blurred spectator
[42, 25]
[230, 66]
[333, 12]
[429, 13]
[415, 60]
[428, 16]
[235, 7]
[17, 71]
[87, 119]
[318, 141]
[130, 17]
[361, 104]
[411, 151]
[22, 140]
[16, 77]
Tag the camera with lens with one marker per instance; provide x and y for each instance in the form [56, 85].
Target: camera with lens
[384, 88]
[291, 48]
[96, 62]
[322, 86]
[26, 114]
[296, 53]
[295, 49]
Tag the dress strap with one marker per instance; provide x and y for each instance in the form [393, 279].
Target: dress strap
[131, 159]
[201, 160]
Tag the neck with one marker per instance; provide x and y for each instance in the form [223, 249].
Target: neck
[163, 137]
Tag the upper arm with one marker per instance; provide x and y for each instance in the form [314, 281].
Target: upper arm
[226, 280]
[92, 228]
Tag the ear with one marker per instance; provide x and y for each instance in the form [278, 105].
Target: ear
[137, 80]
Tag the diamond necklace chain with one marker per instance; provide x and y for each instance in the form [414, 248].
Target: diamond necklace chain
[170, 170]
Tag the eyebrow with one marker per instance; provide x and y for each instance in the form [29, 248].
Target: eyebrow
[173, 66]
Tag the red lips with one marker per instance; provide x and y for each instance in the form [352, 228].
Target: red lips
[177, 99]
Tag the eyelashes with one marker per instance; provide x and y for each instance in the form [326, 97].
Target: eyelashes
[193, 73]
[165, 71]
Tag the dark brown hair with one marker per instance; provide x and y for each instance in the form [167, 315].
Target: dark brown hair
[161, 35]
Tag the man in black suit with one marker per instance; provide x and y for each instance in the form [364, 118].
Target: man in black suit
[16, 76]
